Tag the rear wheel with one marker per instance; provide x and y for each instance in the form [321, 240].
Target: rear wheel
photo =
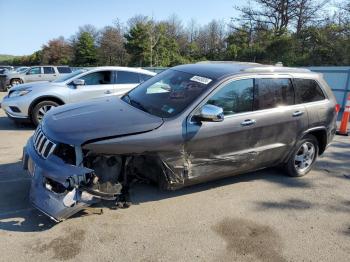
[303, 157]
[41, 109]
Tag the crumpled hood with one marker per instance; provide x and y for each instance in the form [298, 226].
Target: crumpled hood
[76, 124]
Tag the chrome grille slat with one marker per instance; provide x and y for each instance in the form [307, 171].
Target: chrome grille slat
[36, 138]
[47, 149]
[52, 149]
[35, 135]
[42, 144]
[40, 141]
[44, 147]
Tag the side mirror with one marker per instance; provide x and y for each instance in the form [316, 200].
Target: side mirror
[210, 113]
[79, 82]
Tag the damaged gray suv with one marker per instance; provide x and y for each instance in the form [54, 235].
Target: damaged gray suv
[188, 124]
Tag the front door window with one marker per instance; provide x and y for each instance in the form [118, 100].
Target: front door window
[234, 97]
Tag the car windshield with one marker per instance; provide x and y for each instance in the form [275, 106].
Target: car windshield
[68, 76]
[168, 93]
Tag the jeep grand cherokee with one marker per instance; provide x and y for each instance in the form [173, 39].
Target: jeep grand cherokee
[189, 124]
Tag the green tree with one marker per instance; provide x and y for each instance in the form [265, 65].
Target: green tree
[167, 49]
[85, 52]
[140, 43]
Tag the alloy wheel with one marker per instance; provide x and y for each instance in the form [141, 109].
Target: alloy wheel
[304, 157]
[43, 110]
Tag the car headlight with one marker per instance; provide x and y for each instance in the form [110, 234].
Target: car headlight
[19, 93]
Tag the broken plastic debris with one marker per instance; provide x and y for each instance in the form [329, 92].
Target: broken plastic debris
[70, 199]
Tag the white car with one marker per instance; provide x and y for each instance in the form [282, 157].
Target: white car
[32, 74]
[31, 101]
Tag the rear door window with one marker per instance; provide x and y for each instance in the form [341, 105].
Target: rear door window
[234, 97]
[307, 90]
[125, 77]
[273, 92]
[49, 70]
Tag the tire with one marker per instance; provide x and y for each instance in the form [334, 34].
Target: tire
[40, 110]
[303, 158]
[15, 81]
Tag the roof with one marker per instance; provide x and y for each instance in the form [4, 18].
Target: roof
[220, 70]
[121, 68]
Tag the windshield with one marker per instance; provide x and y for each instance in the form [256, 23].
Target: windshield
[68, 76]
[168, 93]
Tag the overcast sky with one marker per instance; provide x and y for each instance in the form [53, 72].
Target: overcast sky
[28, 24]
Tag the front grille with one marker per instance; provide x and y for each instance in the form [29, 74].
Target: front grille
[43, 146]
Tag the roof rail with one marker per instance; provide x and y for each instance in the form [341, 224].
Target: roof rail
[228, 62]
[275, 69]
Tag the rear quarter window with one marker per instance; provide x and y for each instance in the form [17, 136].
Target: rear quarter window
[307, 90]
[48, 70]
[144, 77]
[64, 70]
[125, 77]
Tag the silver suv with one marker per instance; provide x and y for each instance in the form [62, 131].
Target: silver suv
[31, 101]
[35, 73]
[186, 125]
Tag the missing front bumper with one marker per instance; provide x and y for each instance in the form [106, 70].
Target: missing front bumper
[49, 191]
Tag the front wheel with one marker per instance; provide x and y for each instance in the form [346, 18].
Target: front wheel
[303, 157]
[41, 109]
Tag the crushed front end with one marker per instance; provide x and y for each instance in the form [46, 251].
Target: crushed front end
[61, 184]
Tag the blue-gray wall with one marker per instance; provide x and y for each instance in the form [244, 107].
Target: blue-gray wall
[338, 78]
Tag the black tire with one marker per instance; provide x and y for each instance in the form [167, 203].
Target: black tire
[15, 81]
[299, 164]
[40, 109]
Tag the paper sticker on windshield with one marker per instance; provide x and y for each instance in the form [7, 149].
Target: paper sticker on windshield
[201, 79]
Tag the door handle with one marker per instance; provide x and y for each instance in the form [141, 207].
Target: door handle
[248, 122]
[107, 92]
[297, 113]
